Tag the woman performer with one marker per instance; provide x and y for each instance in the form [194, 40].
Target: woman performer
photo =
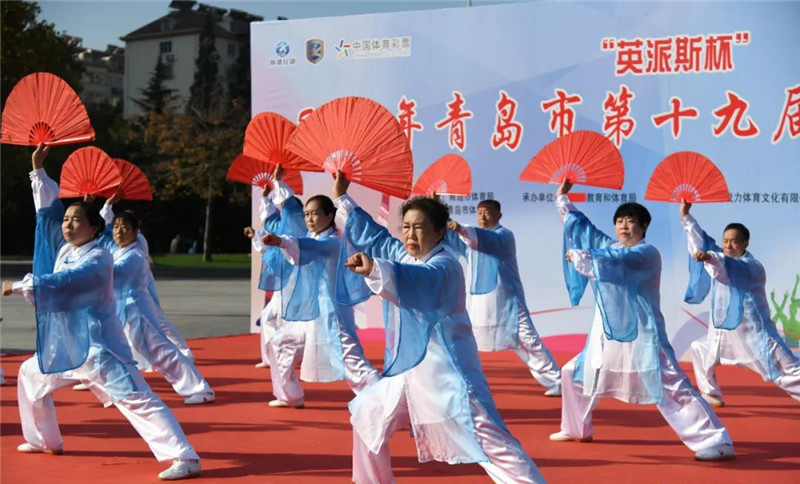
[79, 337]
[627, 354]
[432, 373]
[316, 328]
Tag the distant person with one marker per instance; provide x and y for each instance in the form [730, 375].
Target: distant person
[495, 296]
[741, 331]
[174, 244]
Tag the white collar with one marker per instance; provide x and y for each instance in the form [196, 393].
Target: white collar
[433, 252]
[78, 252]
[324, 233]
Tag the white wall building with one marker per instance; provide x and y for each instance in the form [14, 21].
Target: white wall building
[175, 37]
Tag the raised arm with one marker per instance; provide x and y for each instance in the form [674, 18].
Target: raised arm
[360, 233]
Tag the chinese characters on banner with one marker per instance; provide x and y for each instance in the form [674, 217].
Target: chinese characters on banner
[676, 54]
[638, 56]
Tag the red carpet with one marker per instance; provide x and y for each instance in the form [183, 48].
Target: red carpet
[241, 440]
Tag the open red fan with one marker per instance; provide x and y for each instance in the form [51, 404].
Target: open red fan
[251, 171]
[265, 139]
[134, 184]
[42, 108]
[584, 157]
[89, 171]
[689, 176]
[449, 175]
[362, 139]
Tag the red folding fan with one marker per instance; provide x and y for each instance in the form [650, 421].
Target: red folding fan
[252, 171]
[89, 171]
[689, 176]
[362, 139]
[449, 175]
[42, 108]
[134, 184]
[583, 157]
[266, 137]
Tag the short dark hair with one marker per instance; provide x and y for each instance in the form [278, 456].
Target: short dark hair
[326, 204]
[490, 203]
[744, 234]
[92, 215]
[635, 211]
[130, 217]
[436, 211]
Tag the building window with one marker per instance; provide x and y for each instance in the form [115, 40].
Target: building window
[165, 47]
[231, 50]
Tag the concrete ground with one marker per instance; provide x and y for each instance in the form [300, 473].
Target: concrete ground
[216, 304]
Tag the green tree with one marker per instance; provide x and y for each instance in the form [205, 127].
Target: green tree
[156, 97]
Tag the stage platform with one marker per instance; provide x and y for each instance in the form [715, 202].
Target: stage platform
[242, 440]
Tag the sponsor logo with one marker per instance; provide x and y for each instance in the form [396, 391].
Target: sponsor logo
[315, 50]
[282, 48]
[374, 48]
[343, 49]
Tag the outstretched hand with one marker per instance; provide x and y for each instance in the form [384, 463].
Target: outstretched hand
[701, 256]
[38, 156]
[360, 263]
[249, 232]
[271, 239]
[564, 188]
[114, 199]
[685, 207]
[340, 185]
[8, 288]
[454, 226]
[279, 171]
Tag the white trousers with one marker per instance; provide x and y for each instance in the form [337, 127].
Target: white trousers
[535, 355]
[172, 333]
[168, 360]
[151, 418]
[285, 351]
[508, 462]
[684, 410]
[706, 356]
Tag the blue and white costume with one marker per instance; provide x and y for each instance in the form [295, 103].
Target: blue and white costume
[496, 300]
[627, 354]
[169, 329]
[740, 331]
[139, 314]
[432, 373]
[280, 214]
[80, 339]
[315, 328]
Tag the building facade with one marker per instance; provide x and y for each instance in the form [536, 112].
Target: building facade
[175, 39]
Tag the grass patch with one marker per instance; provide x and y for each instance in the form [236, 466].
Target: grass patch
[196, 260]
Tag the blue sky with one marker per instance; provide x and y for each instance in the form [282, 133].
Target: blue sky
[103, 22]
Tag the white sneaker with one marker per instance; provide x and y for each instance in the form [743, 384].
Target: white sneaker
[199, 398]
[181, 469]
[284, 404]
[553, 391]
[720, 452]
[263, 364]
[27, 448]
[713, 401]
[562, 437]
[80, 387]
